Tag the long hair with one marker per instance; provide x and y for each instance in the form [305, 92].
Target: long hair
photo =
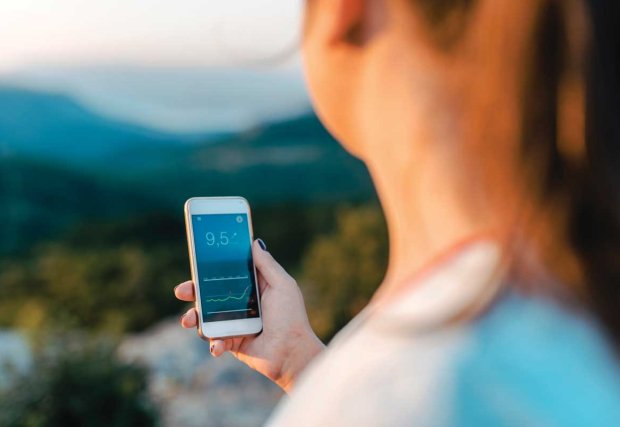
[571, 126]
[595, 204]
[570, 111]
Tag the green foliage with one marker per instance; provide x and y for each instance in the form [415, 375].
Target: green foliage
[341, 270]
[290, 228]
[116, 277]
[72, 383]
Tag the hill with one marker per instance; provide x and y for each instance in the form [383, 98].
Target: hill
[293, 160]
[40, 200]
[49, 126]
[63, 165]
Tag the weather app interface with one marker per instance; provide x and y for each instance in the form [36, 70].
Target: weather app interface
[225, 270]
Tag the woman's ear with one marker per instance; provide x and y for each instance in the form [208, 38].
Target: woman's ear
[343, 20]
[351, 20]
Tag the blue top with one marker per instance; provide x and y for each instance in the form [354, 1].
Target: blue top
[530, 361]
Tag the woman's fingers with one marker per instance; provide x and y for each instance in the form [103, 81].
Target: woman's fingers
[262, 283]
[219, 347]
[189, 319]
[185, 291]
[216, 346]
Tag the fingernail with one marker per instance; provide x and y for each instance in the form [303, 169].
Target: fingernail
[262, 244]
[175, 288]
[211, 348]
[181, 318]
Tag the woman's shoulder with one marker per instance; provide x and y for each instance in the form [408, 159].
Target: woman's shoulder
[534, 356]
[526, 361]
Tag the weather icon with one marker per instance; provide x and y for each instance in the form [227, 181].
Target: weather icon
[239, 219]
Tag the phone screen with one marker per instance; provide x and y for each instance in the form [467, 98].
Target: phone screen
[225, 268]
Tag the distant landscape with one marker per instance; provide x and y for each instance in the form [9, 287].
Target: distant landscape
[61, 164]
[91, 202]
[112, 114]
[92, 242]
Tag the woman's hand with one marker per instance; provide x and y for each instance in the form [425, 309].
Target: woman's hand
[287, 343]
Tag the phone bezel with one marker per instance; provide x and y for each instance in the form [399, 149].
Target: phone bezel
[220, 205]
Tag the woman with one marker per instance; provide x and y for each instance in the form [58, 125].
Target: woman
[491, 131]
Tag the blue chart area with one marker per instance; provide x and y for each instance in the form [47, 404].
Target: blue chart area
[227, 296]
[225, 271]
[230, 296]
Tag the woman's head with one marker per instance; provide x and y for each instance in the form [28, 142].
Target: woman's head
[365, 57]
[522, 96]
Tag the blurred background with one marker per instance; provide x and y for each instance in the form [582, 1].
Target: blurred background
[112, 114]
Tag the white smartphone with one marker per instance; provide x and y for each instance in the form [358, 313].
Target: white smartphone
[219, 236]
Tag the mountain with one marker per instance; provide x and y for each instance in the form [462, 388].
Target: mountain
[40, 200]
[290, 160]
[54, 127]
[63, 165]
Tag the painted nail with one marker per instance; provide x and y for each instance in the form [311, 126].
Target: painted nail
[262, 244]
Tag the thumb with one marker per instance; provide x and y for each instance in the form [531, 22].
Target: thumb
[271, 271]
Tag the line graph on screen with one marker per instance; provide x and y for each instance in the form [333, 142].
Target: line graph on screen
[228, 297]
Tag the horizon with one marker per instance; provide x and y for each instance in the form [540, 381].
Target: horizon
[176, 99]
[202, 66]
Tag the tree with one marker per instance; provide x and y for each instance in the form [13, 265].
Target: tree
[72, 383]
[113, 277]
[341, 270]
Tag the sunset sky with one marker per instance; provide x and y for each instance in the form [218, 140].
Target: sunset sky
[145, 32]
[180, 65]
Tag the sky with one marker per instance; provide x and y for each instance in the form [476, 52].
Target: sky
[155, 32]
[175, 65]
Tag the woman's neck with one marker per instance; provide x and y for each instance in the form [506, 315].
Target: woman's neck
[440, 176]
[435, 191]
[425, 215]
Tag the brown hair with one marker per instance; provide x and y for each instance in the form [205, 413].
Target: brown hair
[570, 130]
